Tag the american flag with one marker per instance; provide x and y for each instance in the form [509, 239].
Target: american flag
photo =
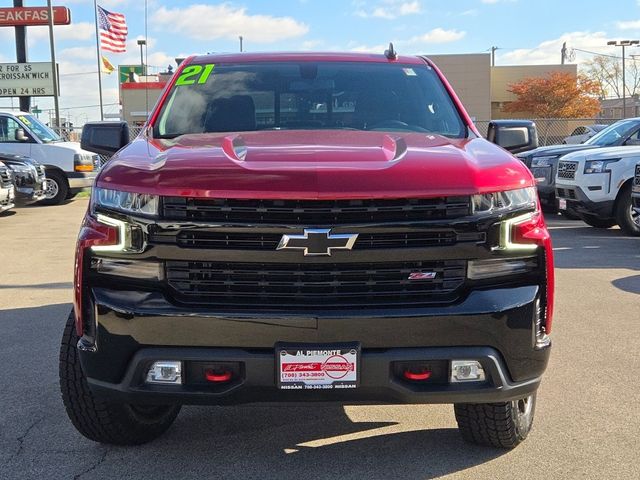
[113, 31]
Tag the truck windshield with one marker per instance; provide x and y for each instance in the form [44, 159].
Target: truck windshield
[308, 96]
[610, 135]
[39, 129]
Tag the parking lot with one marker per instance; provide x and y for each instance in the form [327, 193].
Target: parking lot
[586, 425]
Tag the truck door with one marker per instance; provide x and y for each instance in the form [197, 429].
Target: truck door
[9, 142]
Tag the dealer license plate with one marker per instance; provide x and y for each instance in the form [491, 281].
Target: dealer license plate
[318, 367]
[562, 204]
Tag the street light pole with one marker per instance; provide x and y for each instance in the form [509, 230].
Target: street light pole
[623, 44]
[142, 43]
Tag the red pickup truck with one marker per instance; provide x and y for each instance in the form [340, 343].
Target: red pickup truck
[303, 227]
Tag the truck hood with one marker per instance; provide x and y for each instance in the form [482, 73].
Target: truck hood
[313, 165]
[71, 147]
[604, 153]
[556, 150]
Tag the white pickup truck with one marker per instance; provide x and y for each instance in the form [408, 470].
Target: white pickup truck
[596, 185]
[69, 169]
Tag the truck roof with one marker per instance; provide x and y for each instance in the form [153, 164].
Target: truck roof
[13, 112]
[304, 57]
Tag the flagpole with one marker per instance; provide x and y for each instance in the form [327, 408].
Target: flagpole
[95, 8]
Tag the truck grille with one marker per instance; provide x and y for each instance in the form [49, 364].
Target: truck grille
[569, 193]
[308, 285]
[313, 212]
[203, 239]
[5, 177]
[567, 170]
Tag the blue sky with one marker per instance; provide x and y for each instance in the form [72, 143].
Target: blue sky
[526, 31]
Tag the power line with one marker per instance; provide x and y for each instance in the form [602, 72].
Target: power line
[603, 54]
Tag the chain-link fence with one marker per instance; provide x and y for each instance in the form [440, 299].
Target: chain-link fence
[554, 131]
[551, 131]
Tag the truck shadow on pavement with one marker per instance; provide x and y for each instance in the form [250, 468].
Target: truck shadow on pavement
[312, 441]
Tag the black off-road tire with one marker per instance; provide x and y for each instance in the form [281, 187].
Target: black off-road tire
[628, 220]
[596, 222]
[499, 425]
[57, 188]
[97, 419]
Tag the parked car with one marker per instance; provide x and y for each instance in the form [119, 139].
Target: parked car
[69, 169]
[583, 133]
[597, 186]
[7, 190]
[363, 244]
[28, 178]
[543, 161]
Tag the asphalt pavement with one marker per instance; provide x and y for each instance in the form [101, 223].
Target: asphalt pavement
[587, 422]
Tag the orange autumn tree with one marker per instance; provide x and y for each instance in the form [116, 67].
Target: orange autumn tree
[558, 95]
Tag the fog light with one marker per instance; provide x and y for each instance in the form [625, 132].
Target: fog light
[165, 372]
[466, 371]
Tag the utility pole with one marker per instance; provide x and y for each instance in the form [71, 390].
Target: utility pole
[22, 54]
[493, 56]
[623, 44]
[240, 37]
[54, 69]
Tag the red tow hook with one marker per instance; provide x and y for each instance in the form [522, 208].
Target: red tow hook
[214, 377]
[417, 376]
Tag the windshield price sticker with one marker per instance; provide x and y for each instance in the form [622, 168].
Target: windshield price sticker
[317, 369]
[195, 74]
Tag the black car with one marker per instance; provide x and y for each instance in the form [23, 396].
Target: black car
[543, 161]
[28, 177]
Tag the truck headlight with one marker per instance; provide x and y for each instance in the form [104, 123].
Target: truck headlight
[504, 202]
[127, 202]
[546, 161]
[598, 166]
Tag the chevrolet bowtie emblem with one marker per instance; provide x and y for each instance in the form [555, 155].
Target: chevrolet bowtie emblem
[317, 242]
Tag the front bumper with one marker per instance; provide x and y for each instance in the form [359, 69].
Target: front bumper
[29, 195]
[7, 197]
[256, 383]
[494, 326]
[81, 179]
[580, 203]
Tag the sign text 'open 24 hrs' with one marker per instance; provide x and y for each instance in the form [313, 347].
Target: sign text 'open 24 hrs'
[26, 79]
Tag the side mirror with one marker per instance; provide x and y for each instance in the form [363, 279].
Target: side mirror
[20, 135]
[513, 135]
[104, 138]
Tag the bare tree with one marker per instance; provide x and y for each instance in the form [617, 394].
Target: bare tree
[607, 73]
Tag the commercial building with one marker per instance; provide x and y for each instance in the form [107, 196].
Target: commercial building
[484, 89]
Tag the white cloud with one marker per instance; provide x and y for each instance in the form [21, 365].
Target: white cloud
[210, 22]
[548, 52]
[388, 9]
[628, 25]
[473, 12]
[438, 35]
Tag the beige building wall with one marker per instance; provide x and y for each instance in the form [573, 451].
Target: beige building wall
[470, 76]
[503, 76]
[134, 104]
